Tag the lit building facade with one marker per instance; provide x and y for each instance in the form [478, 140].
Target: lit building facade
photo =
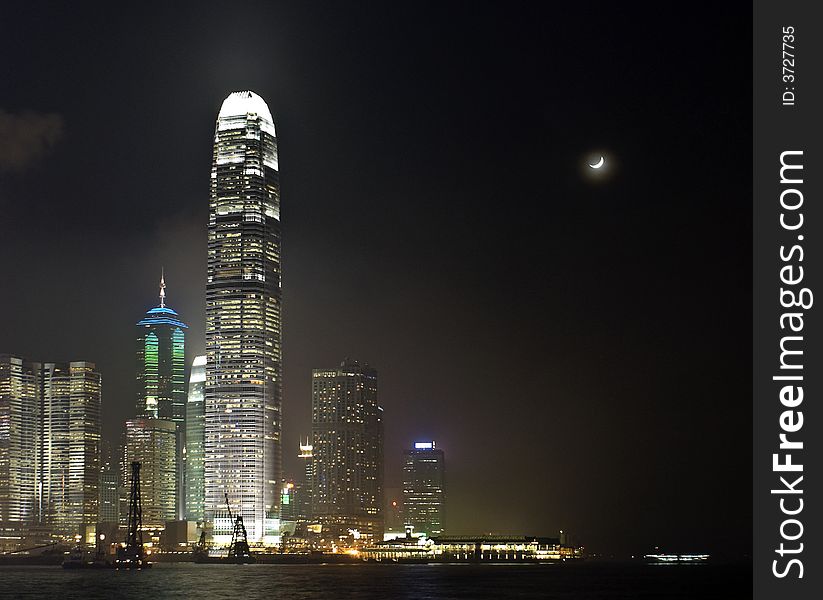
[68, 483]
[195, 442]
[243, 323]
[161, 378]
[110, 496]
[19, 434]
[109, 487]
[472, 549]
[305, 496]
[424, 488]
[347, 440]
[152, 443]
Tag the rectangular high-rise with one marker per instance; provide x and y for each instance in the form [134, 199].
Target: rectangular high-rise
[20, 396]
[347, 441]
[109, 486]
[70, 446]
[424, 488]
[243, 323]
[306, 490]
[49, 444]
[195, 440]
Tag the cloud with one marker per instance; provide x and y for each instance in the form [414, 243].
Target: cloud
[27, 137]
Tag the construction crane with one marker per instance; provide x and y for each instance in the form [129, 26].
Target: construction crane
[132, 555]
[239, 548]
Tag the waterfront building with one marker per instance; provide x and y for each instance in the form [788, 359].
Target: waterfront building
[472, 549]
[20, 395]
[67, 458]
[424, 488]
[152, 443]
[195, 441]
[244, 323]
[161, 379]
[69, 469]
[304, 509]
[49, 445]
[347, 440]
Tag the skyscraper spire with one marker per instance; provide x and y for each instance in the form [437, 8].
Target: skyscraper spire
[162, 288]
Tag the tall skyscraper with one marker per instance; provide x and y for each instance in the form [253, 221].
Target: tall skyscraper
[243, 322]
[20, 396]
[195, 441]
[161, 379]
[347, 440]
[49, 444]
[70, 446]
[424, 488]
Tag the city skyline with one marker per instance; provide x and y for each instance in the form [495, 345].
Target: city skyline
[436, 226]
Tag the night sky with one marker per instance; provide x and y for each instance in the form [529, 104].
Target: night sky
[580, 349]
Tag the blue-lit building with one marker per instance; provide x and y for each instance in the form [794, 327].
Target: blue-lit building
[161, 383]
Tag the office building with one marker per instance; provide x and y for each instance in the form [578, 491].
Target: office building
[49, 445]
[347, 440]
[109, 487]
[161, 379]
[424, 488]
[20, 394]
[195, 442]
[305, 492]
[244, 323]
[69, 470]
[152, 443]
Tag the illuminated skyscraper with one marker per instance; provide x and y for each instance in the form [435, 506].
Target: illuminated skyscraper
[49, 444]
[347, 440]
[195, 440]
[69, 468]
[19, 434]
[423, 488]
[161, 380]
[243, 322]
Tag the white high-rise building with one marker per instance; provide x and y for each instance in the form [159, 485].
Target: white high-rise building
[243, 391]
[195, 439]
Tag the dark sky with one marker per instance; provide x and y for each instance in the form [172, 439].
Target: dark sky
[580, 350]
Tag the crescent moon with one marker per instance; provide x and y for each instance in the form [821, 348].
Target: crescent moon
[598, 164]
